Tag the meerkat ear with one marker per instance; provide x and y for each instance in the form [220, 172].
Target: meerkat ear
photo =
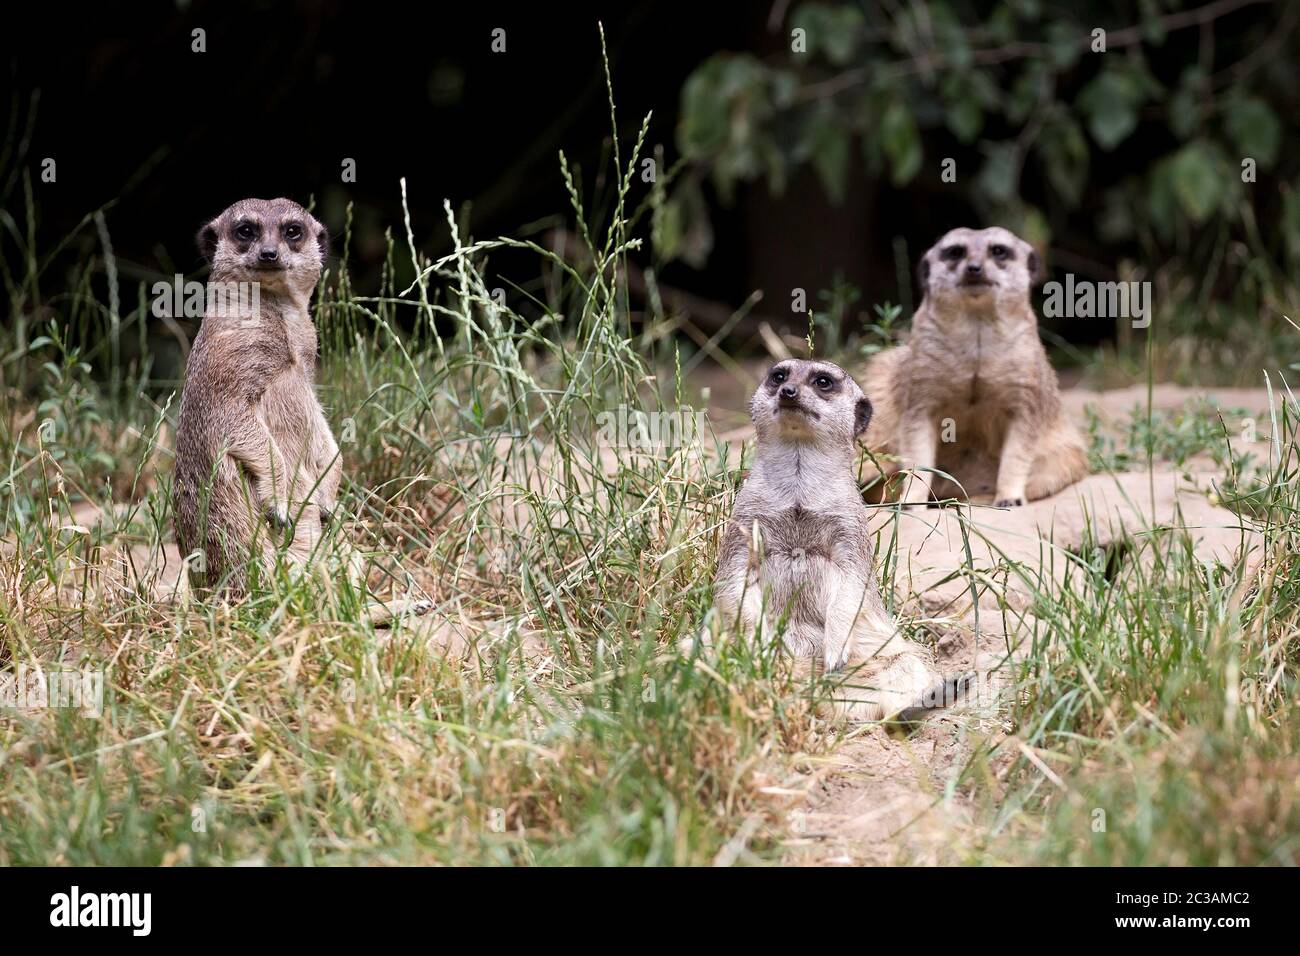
[861, 415]
[1035, 265]
[923, 275]
[207, 241]
[322, 238]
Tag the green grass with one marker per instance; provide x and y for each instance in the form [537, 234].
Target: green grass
[1199, 428]
[287, 730]
[1162, 697]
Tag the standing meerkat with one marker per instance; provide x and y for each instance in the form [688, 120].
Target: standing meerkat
[255, 458]
[972, 394]
[798, 546]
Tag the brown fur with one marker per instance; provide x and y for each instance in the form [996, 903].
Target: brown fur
[972, 393]
[256, 462]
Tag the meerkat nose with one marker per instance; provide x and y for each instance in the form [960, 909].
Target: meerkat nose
[974, 268]
[789, 391]
[268, 255]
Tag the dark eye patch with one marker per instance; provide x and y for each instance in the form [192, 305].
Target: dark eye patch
[999, 251]
[952, 253]
[778, 375]
[293, 231]
[247, 230]
[824, 381]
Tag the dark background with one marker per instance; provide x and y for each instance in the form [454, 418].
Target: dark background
[285, 91]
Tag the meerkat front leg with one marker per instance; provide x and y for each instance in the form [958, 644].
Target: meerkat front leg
[737, 593]
[254, 448]
[918, 444]
[847, 608]
[327, 467]
[1016, 461]
[739, 598]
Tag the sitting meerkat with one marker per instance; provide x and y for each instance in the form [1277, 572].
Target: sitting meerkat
[798, 547]
[252, 442]
[972, 394]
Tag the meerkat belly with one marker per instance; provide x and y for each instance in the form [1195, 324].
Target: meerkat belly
[288, 414]
[974, 385]
[800, 574]
[793, 578]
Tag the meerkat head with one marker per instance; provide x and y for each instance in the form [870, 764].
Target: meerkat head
[274, 242]
[979, 269]
[807, 401]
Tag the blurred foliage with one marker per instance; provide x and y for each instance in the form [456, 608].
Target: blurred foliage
[1145, 140]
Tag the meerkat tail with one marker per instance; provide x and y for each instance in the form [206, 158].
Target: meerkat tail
[881, 692]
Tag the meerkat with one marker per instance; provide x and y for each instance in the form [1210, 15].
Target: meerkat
[972, 394]
[797, 547]
[256, 460]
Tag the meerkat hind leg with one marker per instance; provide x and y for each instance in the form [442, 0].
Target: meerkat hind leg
[1062, 460]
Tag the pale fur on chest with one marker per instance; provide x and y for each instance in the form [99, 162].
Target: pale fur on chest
[812, 541]
[975, 367]
[289, 402]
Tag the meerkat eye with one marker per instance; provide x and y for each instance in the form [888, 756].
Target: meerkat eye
[779, 376]
[824, 382]
[953, 253]
[293, 231]
[246, 231]
[999, 251]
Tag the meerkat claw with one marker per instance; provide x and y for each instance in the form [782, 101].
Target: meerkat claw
[278, 517]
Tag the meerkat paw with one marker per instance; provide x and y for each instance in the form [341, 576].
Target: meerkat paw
[1009, 503]
[694, 645]
[278, 517]
[835, 658]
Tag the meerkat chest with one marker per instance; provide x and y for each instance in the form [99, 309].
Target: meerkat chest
[797, 544]
[971, 365]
